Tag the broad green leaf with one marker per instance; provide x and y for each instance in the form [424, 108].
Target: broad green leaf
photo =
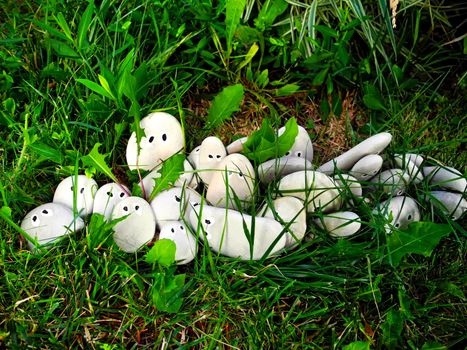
[320, 77]
[62, 22]
[269, 12]
[392, 329]
[225, 103]
[97, 160]
[233, 14]
[62, 49]
[419, 238]
[327, 31]
[263, 143]
[452, 289]
[263, 79]
[170, 172]
[249, 56]
[84, 26]
[167, 292]
[287, 90]
[48, 152]
[106, 85]
[433, 345]
[372, 98]
[95, 87]
[357, 345]
[50, 30]
[162, 252]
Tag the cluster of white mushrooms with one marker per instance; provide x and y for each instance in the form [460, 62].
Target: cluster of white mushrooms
[231, 187]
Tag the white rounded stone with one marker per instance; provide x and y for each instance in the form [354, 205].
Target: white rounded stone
[290, 212]
[302, 147]
[163, 138]
[452, 204]
[340, 224]
[446, 177]
[236, 146]
[236, 174]
[316, 189]
[414, 158]
[393, 181]
[400, 211]
[48, 222]
[229, 232]
[211, 153]
[275, 169]
[414, 172]
[85, 192]
[185, 242]
[372, 145]
[107, 197]
[367, 167]
[174, 204]
[138, 227]
[348, 183]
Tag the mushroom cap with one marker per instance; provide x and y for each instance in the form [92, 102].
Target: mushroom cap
[446, 177]
[340, 224]
[392, 181]
[107, 196]
[236, 146]
[348, 183]
[415, 174]
[86, 190]
[275, 169]
[367, 167]
[193, 157]
[185, 242]
[402, 210]
[211, 153]
[302, 147]
[163, 138]
[413, 157]
[452, 204]
[138, 227]
[48, 222]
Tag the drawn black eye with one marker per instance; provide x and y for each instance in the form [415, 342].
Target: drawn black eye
[151, 139]
[173, 231]
[34, 218]
[181, 228]
[287, 153]
[81, 190]
[136, 207]
[397, 225]
[164, 137]
[240, 174]
[364, 175]
[210, 156]
[71, 188]
[196, 204]
[218, 156]
[125, 208]
[197, 150]
[122, 194]
[409, 217]
[299, 154]
[110, 194]
[177, 199]
[208, 222]
[45, 212]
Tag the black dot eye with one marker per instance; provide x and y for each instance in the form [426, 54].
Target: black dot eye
[196, 204]
[122, 194]
[45, 212]
[364, 175]
[240, 174]
[34, 218]
[136, 207]
[218, 156]
[151, 139]
[81, 190]
[181, 228]
[299, 154]
[397, 225]
[409, 217]
[164, 137]
[177, 199]
[71, 188]
[110, 194]
[125, 208]
[208, 222]
[197, 150]
[210, 156]
[173, 231]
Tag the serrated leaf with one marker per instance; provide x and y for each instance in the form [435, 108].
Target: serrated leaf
[225, 103]
[392, 329]
[419, 238]
[233, 14]
[48, 152]
[162, 252]
[95, 87]
[170, 172]
[263, 144]
[97, 160]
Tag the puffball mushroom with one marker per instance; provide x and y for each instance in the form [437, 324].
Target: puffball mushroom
[367, 167]
[163, 138]
[302, 147]
[211, 153]
[107, 197]
[185, 242]
[402, 211]
[414, 172]
[48, 222]
[234, 178]
[236, 146]
[452, 204]
[348, 183]
[340, 224]
[392, 181]
[275, 169]
[227, 232]
[446, 177]
[86, 189]
[137, 228]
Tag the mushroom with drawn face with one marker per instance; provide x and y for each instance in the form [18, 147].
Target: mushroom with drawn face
[138, 226]
[451, 204]
[340, 224]
[367, 167]
[185, 242]
[107, 197]
[302, 147]
[163, 137]
[85, 190]
[48, 222]
[400, 211]
[211, 154]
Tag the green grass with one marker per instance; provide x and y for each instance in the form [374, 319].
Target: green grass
[324, 294]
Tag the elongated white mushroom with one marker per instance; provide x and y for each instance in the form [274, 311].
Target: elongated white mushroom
[107, 197]
[446, 177]
[86, 189]
[400, 211]
[275, 169]
[340, 224]
[185, 242]
[211, 153]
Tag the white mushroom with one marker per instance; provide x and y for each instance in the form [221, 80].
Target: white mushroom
[340, 224]
[367, 167]
[348, 183]
[163, 138]
[236, 146]
[275, 169]
[290, 212]
[446, 177]
[229, 232]
[452, 204]
[234, 179]
[302, 147]
[211, 153]
[415, 174]
[137, 228]
[372, 145]
[399, 211]
[393, 181]
[185, 242]
[317, 190]
[414, 158]
[48, 222]
[193, 157]
[107, 197]
[86, 189]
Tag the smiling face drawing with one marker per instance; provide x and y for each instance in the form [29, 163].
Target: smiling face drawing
[86, 189]
[50, 221]
[163, 138]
